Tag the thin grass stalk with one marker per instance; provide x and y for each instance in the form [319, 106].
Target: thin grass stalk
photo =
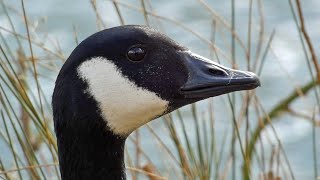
[26, 106]
[271, 159]
[249, 35]
[232, 101]
[40, 45]
[278, 163]
[130, 163]
[7, 70]
[265, 53]
[236, 133]
[304, 116]
[45, 102]
[293, 96]
[100, 24]
[28, 152]
[28, 168]
[247, 132]
[32, 58]
[162, 144]
[206, 150]
[7, 143]
[18, 98]
[314, 146]
[278, 139]
[233, 28]
[212, 146]
[3, 169]
[190, 151]
[308, 40]
[226, 171]
[29, 156]
[18, 90]
[271, 116]
[11, 144]
[304, 47]
[142, 152]
[157, 22]
[119, 13]
[137, 145]
[213, 39]
[220, 155]
[168, 150]
[145, 14]
[4, 7]
[262, 162]
[24, 100]
[198, 137]
[183, 159]
[223, 22]
[146, 173]
[6, 46]
[261, 33]
[75, 35]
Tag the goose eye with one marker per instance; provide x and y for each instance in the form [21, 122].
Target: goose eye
[136, 53]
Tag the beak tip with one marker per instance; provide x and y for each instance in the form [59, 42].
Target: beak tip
[256, 79]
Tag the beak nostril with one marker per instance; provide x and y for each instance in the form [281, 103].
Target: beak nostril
[217, 72]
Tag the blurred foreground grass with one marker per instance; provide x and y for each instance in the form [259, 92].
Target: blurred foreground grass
[28, 145]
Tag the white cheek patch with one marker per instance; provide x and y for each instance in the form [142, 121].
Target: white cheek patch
[123, 105]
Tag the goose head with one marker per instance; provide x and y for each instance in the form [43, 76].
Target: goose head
[123, 77]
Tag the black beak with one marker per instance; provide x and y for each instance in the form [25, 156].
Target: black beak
[208, 79]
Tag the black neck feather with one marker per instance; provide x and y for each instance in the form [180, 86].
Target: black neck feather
[87, 148]
[95, 154]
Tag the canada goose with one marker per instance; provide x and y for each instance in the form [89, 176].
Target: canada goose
[118, 80]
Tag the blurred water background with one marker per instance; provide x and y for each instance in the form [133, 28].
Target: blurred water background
[56, 20]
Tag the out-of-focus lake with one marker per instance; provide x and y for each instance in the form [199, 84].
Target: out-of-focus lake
[57, 19]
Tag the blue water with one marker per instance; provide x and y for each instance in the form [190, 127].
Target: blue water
[55, 19]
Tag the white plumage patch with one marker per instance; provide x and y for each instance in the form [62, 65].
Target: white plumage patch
[123, 105]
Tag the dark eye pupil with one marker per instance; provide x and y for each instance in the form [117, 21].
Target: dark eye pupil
[136, 54]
